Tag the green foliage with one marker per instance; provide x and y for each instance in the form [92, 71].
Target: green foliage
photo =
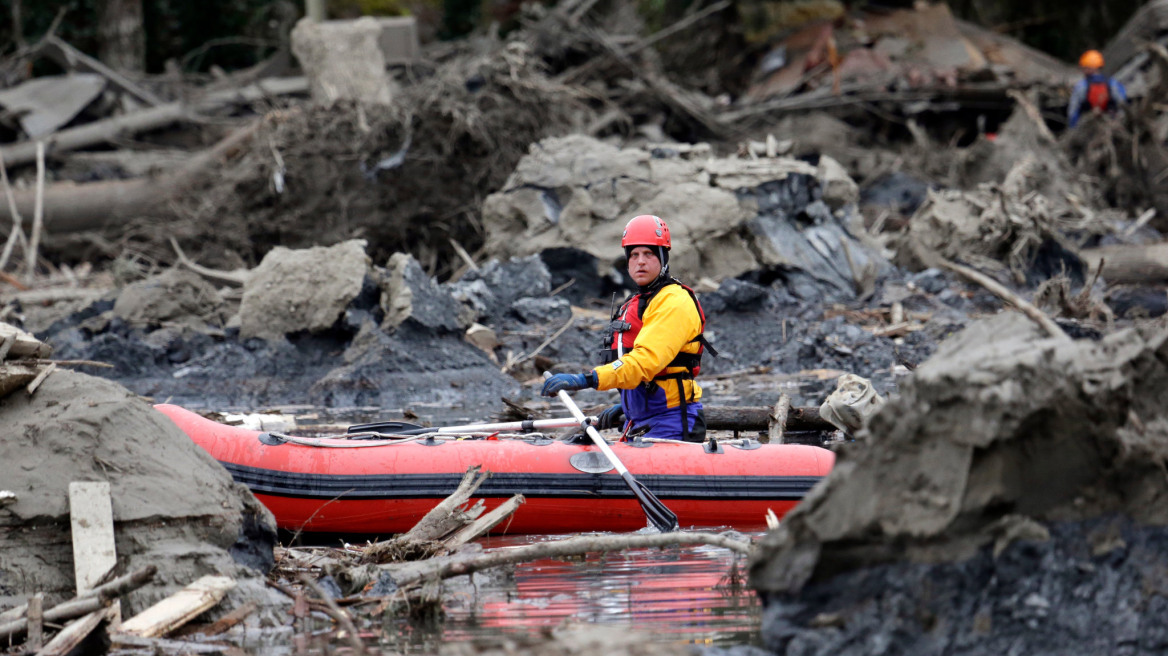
[173, 28]
[1064, 28]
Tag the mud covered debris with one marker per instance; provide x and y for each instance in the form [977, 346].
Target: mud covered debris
[173, 506]
[728, 216]
[1003, 436]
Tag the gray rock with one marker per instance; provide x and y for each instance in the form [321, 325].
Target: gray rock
[505, 283]
[302, 290]
[175, 296]
[542, 310]
[408, 294]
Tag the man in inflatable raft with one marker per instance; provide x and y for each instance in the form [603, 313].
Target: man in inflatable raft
[656, 346]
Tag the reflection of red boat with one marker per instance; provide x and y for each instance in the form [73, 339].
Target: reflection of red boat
[386, 486]
[682, 593]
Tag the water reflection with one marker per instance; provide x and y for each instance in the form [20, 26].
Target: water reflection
[679, 595]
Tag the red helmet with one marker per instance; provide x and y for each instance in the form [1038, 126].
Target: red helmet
[646, 230]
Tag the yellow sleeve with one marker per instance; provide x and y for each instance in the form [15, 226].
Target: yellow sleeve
[670, 322]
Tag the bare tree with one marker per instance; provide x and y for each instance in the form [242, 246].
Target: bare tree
[121, 37]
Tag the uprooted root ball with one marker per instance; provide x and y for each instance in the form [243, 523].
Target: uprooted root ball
[407, 177]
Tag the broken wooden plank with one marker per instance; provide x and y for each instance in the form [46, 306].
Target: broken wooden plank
[36, 382]
[36, 623]
[92, 520]
[227, 621]
[179, 608]
[44, 104]
[23, 344]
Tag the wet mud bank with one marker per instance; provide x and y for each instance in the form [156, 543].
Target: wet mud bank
[1008, 495]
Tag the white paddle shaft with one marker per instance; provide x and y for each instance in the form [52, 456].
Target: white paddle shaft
[596, 438]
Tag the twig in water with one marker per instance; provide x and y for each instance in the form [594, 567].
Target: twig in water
[460, 565]
[334, 611]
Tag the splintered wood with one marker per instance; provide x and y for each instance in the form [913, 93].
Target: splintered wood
[179, 608]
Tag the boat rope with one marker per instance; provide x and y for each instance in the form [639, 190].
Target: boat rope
[361, 440]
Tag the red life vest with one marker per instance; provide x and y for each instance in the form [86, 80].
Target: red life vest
[1099, 94]
[629, 319]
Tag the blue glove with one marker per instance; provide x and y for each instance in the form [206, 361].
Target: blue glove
[558, 382]
[611, 417]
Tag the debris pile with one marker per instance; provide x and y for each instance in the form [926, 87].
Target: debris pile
[1007, 451]
[728, 216]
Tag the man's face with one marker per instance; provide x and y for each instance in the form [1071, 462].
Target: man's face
[644, 265]
[1088, 71]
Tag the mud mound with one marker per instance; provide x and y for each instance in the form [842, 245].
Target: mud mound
[173, 506]
[172, 297]
[999, 429]
[403, 176]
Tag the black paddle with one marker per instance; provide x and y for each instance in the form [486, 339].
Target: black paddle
[660, 516]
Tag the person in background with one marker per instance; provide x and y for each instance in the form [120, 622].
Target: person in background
[656, 346]
[1096, 92]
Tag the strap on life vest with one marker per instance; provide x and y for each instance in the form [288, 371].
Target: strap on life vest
[691, 362]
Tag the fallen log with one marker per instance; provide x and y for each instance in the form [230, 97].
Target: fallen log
[747, 418]
[403, 574]
[98, 132]
[70, 207]
[1130, 264]
[111, 129]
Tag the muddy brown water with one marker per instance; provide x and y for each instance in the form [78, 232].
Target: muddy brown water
[679, 595]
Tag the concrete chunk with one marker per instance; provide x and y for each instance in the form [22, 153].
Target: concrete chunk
[344, 60]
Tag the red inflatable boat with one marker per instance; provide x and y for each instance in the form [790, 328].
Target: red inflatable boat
[342, 485]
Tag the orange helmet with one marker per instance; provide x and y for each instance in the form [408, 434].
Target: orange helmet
[1091, 59]
[646, 230]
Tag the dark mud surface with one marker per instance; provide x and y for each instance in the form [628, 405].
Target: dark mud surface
[765, 337]
[1096, 587]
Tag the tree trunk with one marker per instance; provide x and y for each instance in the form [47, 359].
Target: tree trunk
[121, 37]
